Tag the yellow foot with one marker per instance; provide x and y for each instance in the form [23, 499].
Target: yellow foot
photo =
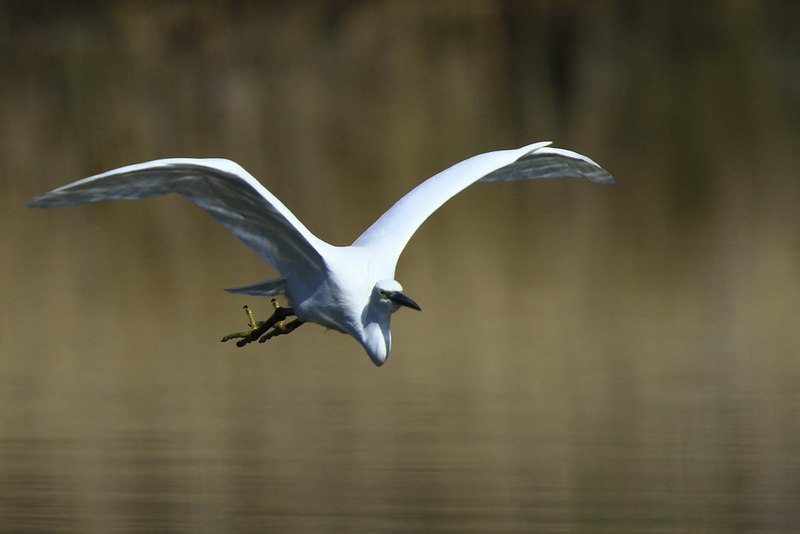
[246, 336]
[261, 329]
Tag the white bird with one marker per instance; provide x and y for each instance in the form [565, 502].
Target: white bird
[349, 289]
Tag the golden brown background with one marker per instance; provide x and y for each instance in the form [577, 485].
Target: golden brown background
[589, 359]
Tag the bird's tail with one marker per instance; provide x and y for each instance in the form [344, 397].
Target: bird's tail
[270, 288]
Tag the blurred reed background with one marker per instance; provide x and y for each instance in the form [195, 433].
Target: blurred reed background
[589, 359]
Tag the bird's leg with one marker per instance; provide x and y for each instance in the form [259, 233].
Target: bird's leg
[259, 329]
[281, 328]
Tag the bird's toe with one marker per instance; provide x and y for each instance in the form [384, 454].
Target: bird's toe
[264, 330]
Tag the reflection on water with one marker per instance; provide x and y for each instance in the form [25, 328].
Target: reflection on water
[589, 359]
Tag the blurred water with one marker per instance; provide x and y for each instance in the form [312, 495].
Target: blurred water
[589, 359]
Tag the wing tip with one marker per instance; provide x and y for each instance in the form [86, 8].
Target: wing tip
[39, 202]
[51, 199]
[602, 178]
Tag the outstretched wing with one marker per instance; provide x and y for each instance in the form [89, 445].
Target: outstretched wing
[221, 187]
[390, 233]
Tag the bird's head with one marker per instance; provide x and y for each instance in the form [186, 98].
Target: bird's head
[387, 297]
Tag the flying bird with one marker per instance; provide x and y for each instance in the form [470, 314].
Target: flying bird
[349, 289]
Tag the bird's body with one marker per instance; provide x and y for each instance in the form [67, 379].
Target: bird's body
[349, 289]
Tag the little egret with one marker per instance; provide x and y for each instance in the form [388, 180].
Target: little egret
[348, 289]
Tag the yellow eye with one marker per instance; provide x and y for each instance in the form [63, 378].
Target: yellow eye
[382, 293]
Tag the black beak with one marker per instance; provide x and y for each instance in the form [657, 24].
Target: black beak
[402, 300]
